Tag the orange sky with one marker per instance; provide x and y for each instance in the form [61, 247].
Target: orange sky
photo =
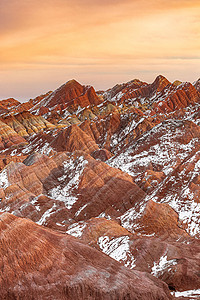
[98, 42]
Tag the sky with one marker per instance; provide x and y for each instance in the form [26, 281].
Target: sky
[97, 42]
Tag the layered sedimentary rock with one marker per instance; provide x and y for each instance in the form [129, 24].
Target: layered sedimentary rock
[73, 138]
[69, 181]
[26, 123]
[160, 149]
[7, 105]
[70, 95]
[5, 159]
[40, 263]
[8, 137]
[161, 96]
[16, 107]
[181, 97]
[171, 256]
[117, 169]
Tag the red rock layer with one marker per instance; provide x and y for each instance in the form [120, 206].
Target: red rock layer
[71, 95]
[161, 220]
[136, 89]
[109, 190]
[160, 97]
[182, 97]
[171, 256]
[26, 106]
[3, 110]
[97, 227]
[73, 138]
[8, 104]
[27, 184]
[78, 177]
[38, 263]
[126, 88]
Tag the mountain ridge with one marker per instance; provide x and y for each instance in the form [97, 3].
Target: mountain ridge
[114, 174]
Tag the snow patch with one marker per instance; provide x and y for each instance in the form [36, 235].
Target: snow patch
[4, 183]
[80, 209]
[76, 229]
[46, 215]
[69, 181]
[163, 264]
[118, 249]
[192, 294]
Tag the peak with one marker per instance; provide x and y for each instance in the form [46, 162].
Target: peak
[10, 102]
[9, 99]
[72, 82]
[68, 86]
[161, 78]
[136, 82]
[160, 83]
[177, 82]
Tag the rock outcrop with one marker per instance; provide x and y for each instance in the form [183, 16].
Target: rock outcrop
[8, 137]
[26, 123]
[73, 138]
[174, 260]
[71, 95]
[7, 105]
[69, 181]
[38, 263]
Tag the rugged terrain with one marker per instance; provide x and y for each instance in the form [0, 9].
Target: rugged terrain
[100, 193]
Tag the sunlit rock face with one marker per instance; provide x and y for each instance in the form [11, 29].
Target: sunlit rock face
[8, 137]
[26, 124]
[72, 95]
[8, 105]
[100, 192]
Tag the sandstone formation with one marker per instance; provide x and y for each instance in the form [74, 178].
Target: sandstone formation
[71, 95]
[174, 260]
[7, 105]
[8, 137]
[69, 181]
[26, 123]
[73, 138]
[38, 263]
[116, 169]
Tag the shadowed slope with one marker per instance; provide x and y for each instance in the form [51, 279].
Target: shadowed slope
[37, 263]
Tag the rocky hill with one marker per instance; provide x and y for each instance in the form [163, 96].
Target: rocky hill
[100, 193]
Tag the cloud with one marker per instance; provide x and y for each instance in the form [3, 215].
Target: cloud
[64, 33]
